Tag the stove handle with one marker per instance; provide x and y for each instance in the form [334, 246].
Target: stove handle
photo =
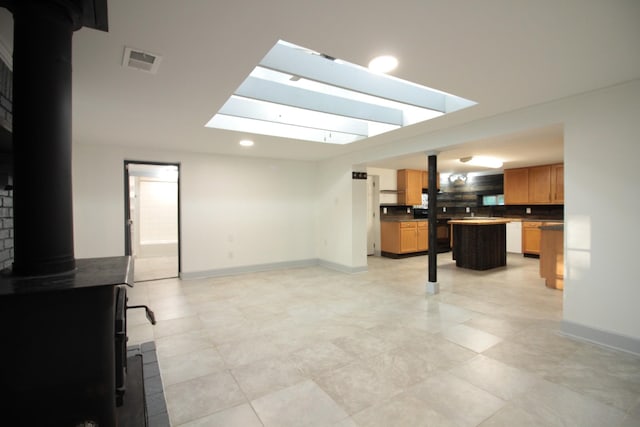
[150, 316]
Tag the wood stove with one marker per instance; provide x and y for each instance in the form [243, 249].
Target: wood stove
[62, 319]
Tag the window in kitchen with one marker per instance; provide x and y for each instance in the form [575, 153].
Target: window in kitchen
[493, 200]
[298, 93]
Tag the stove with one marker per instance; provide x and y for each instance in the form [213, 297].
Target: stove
[443, 230]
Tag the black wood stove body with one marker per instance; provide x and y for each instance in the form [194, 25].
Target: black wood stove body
[62, 320]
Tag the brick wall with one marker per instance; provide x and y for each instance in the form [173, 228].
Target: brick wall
[6, 228]
[6, 193]
[6, 96]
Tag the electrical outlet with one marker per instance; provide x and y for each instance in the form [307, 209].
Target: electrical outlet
[384, 211]
[444, 209]
[408, 210]
[467, 209]
[528, 210]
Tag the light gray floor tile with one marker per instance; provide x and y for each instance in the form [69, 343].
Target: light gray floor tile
[558, 405]
[632, 419]
[165, 328]
[319, 358]
[359, 385]
[401, 411]
[267, 375]
[238, 416]
[302, 404]
[599, 384]
[471, 338]
[363, 344]
[495, 377]
[187, 366]
[183, 343]
[190, 400]
[456, 399]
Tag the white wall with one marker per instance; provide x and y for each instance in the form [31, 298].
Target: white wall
[236, 211]
[388, 181]
[334, 217]
[602, 204]
[602, 145]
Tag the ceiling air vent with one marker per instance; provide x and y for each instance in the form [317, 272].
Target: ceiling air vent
[140, 60]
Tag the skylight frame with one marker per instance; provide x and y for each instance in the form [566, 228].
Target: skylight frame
[290, 79]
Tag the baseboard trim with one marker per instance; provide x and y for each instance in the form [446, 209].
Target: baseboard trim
[341, 268]
[232, 271]
[598, 336]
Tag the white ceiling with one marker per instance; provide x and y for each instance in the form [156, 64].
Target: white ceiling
[502, 54]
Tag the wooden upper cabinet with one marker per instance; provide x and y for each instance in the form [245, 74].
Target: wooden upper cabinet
[425, 180]
[557, 184]
[540, 185]
[409, 187]
[516, 186]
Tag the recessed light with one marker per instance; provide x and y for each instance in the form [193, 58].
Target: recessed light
[246, 143]
[383, 64]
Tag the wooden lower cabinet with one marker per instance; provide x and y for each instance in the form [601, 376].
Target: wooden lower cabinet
[552, 256]
[531, 237]
[403, 237]
[423, 236]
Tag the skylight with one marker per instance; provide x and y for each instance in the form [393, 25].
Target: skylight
[298, 93]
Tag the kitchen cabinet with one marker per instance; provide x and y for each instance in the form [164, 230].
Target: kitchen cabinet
[552, 255]
[516, 186]
[423, 236]
[531, 237]
[557, 184]
[538, 185]
[403, 237]
[425, 180]
[409, 187]
[411, 182]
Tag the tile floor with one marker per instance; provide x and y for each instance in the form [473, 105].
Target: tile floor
[315, 347]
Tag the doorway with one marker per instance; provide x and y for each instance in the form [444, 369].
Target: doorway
[152, 219]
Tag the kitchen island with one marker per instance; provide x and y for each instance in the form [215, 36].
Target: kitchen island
[480, 244]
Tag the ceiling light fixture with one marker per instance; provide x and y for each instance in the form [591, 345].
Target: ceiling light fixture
[383, 64]
[246, 143]
[483, 161]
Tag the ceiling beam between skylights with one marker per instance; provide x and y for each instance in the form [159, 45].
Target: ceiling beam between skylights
[302, 63]
[283, 94]
[258, 110]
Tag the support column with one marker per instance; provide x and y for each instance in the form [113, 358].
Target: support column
[433, 287]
